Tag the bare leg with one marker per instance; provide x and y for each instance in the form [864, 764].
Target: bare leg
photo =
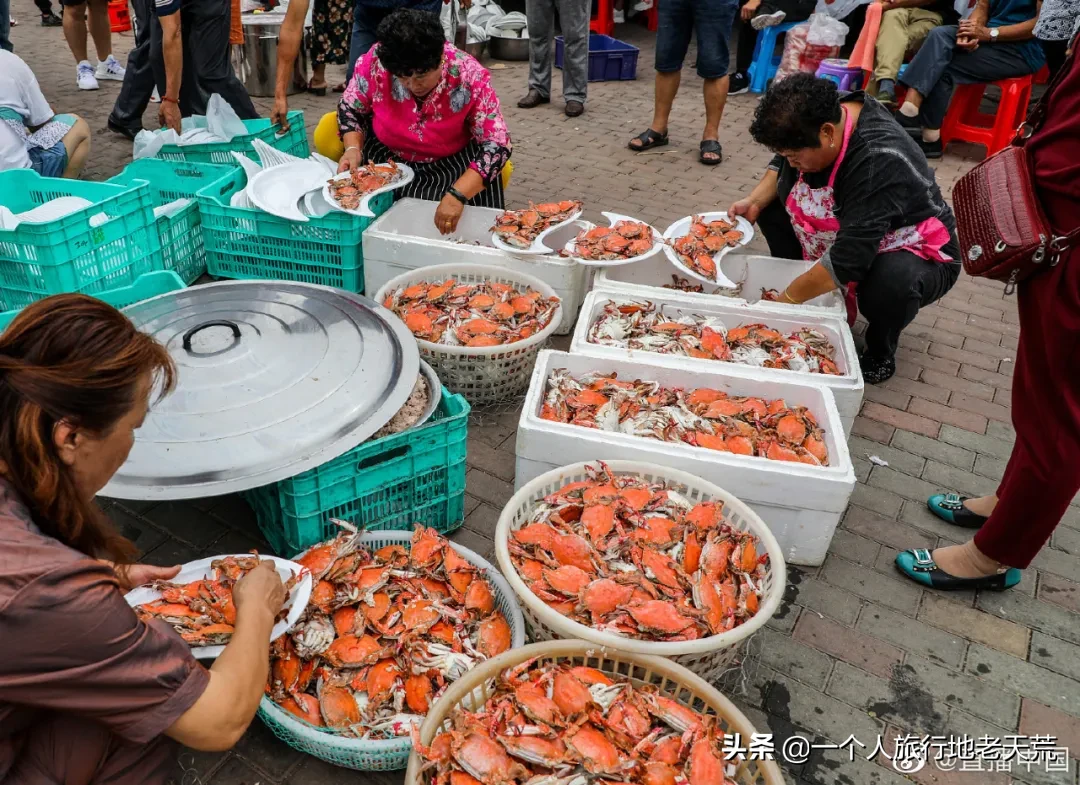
[912, 97]
[964, 561]
[75, 30]
[667, 86]
[100, 29]
[983, 505]
[77, 144]
[715, 98]
[318, 75]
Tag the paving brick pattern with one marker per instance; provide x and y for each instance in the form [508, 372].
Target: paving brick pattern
[854, 649]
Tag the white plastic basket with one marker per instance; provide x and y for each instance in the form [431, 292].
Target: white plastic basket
[483, 374]
[847, 387]
[706, 657]
[384, 754]
[673, 680]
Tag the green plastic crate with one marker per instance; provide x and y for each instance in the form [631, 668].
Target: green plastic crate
[417, 476]
[294, 141]
[146, 286]
[245, 242]
[75, 253]
[180, 234]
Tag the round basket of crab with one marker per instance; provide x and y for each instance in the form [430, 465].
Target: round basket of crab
[480, 327]
[393, 620]
[572, 713]
[640, 558]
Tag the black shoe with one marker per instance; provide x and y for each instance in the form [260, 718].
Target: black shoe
[738, 83]
[51, 20]
[910, 124]
[887, 96]
[876, 371]
[932, 150]
[123, 130]
[532, 100]
[574, 108]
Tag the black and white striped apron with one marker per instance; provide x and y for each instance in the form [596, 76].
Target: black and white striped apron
[434, 179]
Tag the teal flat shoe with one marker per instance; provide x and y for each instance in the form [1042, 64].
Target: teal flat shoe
[919, 566]
[950, 508]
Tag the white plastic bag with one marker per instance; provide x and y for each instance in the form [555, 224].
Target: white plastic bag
[222, 120]
[826, 31]
[838, 9]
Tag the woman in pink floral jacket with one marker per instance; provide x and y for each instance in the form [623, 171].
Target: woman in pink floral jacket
[415, 98]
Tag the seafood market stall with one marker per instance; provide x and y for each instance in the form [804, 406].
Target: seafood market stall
[800, 491]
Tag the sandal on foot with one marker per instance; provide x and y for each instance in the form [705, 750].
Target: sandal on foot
[710, 146]
[920, 566]
[319, 91]
[950, 508]
[340, 88]
[649, 139]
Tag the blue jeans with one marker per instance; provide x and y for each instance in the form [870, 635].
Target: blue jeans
[710, 19]
[365, 22]
[5, 25]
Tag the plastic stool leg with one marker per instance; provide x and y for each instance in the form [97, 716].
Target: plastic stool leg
[762, 68]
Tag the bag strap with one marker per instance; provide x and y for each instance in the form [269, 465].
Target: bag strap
[1038, 114]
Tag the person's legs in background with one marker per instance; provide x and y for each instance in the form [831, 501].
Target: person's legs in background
[574, 23]
[902, 29]
[768, 13]
[207, 68]
[75, 33]
[541, 18]
[675, 28]
[48, 18]
[135, 93]
[5, 25]
[712, 22]
[365, 22]
[109, 67]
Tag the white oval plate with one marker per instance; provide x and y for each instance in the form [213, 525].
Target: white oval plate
[196, 570]
[537, 246]
[682, 226]
[407, 175]
[279, 189]
[614, 218]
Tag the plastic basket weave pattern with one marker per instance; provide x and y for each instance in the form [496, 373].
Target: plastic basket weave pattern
[707, 657]
[678, 683]
[486, 374]
[79, 252]
[244, 242]
[294, 141]
[416, 476]
[389, 754]
[180, 234]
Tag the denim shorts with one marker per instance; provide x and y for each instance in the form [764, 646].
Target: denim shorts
[51, 162]
[679, 19]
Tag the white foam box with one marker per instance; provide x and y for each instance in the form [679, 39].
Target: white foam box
[648, 278]
[846, 388]
[404, 238]
[801, 504]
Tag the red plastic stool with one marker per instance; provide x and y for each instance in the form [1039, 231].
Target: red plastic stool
[964, 122]
[653, 16]
[604, 21]
[119, 17]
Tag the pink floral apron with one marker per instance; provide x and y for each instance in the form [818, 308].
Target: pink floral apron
[813, 216]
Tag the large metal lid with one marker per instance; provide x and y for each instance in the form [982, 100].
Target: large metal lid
[274, 378]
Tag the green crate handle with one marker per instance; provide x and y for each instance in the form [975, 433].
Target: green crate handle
[391, 455]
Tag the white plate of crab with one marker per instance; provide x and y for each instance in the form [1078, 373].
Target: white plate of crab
[396, 175]
[681, 228]
[204, 569]
[567, 211]
[622, 234]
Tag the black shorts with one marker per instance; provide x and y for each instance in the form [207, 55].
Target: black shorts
[711, 20]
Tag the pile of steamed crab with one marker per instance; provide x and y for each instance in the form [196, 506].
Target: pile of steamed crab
[697, 248]
[348, 191]
[520, 228]
[623, 555]
[703, 417]
[624, 240]
[383, 634]
[489, 313]
[203, 611]
[640, 325]
[680, 284]
[555, 723]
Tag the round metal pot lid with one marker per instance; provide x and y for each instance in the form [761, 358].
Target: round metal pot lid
[274, 378]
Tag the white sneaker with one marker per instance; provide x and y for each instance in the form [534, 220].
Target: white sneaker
[154, 97]
[85, 76]
[619, 16]
[110, 69]
[761, 21]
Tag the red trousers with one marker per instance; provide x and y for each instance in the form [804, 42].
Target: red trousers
[1043, 474]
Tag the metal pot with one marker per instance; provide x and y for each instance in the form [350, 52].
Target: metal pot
[508, 48]
[255, 62]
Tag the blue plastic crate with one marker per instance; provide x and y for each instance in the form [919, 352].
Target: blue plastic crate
[610, 60]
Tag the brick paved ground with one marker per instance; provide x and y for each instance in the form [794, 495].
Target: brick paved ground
[854, 649]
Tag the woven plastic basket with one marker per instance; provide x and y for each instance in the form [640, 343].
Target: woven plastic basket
[387, 754]
[707, 657]
[674, 680]
[487, 374]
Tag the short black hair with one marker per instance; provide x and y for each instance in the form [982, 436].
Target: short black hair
[792, 111]
[410, 42]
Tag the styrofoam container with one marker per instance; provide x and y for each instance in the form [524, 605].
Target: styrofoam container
[753, 272]
[404, 238]
[847, 388]
[801, 504]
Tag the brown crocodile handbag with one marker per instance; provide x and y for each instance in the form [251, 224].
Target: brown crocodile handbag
[1004, 233]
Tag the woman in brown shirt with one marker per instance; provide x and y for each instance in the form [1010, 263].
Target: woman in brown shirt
[88, 692]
